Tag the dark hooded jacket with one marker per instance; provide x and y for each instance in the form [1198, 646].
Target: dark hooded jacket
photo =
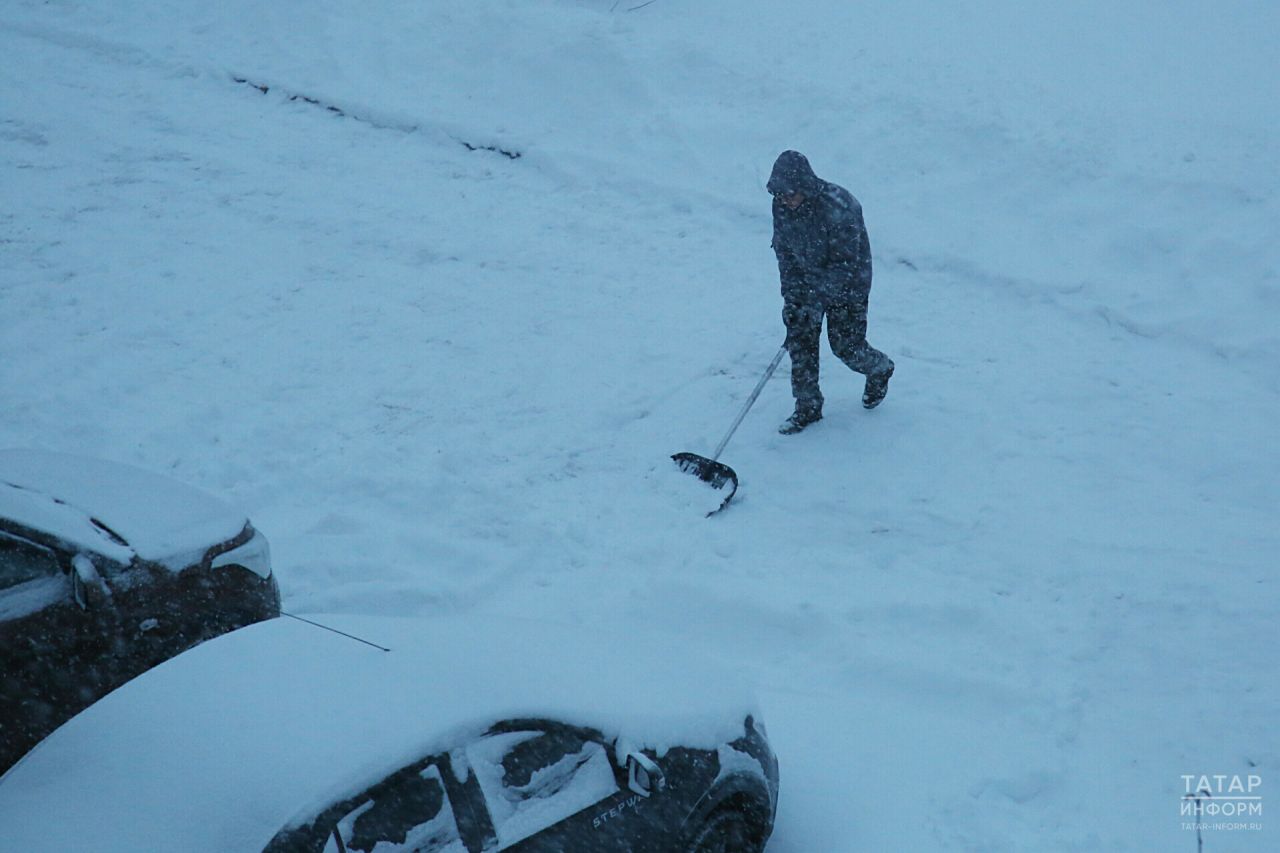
[824, 256]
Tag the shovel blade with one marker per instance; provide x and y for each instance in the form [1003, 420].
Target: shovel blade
[715, 474]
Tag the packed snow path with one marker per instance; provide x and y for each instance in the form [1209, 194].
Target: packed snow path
[1005, 611]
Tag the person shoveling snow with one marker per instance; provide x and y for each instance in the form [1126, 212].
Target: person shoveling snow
[824, 261]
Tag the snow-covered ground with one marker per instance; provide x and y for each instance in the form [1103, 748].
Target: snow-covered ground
[1008, 610]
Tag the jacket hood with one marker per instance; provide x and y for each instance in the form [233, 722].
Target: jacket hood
[792, 174]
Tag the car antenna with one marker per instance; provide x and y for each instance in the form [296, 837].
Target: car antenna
[336, 631]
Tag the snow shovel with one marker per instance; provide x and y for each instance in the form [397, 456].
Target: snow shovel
[715, 473]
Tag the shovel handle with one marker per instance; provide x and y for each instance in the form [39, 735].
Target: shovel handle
[746, 407]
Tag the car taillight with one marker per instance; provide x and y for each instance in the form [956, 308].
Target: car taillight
[254, 555]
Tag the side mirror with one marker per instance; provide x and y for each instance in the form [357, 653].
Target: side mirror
[88, 587]
[643, 775]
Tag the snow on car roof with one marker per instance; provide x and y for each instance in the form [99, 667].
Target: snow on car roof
[161, 519]
[224, 745]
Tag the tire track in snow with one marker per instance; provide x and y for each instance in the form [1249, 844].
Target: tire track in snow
[119, 53]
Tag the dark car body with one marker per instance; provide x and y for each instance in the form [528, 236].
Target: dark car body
[455, 734]
[530, 799]
[83, 609]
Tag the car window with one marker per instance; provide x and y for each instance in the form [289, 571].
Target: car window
[22, 561]
[534, 779]
[407, 814]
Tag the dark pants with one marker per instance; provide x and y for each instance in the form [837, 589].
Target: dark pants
[847, 333]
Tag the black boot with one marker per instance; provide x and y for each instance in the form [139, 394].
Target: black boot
[877, 387]
[799, 420]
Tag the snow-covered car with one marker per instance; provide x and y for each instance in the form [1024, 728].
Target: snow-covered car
[448, 735]
[105, 571]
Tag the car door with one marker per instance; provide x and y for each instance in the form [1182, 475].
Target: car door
[43, 637]
[550, 788]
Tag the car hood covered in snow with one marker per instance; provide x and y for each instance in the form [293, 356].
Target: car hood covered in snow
[157, 518]
[224, 745]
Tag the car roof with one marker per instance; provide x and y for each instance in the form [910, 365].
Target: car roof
[224, 745]
[153, 516]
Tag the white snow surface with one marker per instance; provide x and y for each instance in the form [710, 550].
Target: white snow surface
[1007, 610]
[222, 747]
[161, 519]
